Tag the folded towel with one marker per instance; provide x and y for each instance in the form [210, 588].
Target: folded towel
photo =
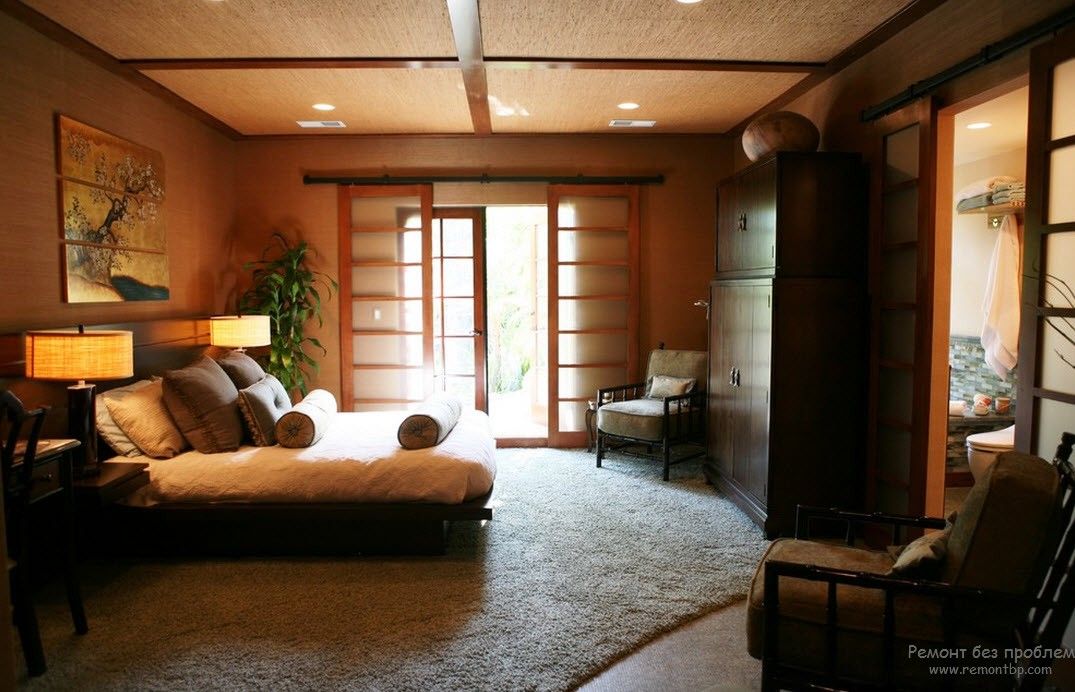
[986, 186]
[974, 202]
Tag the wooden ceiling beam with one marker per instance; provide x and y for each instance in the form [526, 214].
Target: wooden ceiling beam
[291, 63]
[467, 30]
[653, 64]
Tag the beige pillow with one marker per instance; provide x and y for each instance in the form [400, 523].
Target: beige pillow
[107, 428]
[307, 421]
[262, 404]
[922, 557]
[204, 404]
[663, 386]
[144, 419]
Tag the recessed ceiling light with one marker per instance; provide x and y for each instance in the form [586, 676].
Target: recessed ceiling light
[627, 106]
[979, 126]
[623, 122]
[688, 2]
[324, 107]
[321, 123]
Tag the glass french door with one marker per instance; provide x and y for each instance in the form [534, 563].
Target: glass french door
[459, 305]
[1047, 326]
[593, 307]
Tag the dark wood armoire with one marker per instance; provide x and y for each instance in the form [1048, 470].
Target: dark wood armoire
[788, 337]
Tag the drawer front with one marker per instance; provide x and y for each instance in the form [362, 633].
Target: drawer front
[46, 479]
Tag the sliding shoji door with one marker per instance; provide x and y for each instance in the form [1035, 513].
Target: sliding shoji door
[386, 349]
[901, 290]
[1046, 403]
[594, 294]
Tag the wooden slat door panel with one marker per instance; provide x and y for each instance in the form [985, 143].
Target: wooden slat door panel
[1046, 400]
[756, 386]
[593, 274]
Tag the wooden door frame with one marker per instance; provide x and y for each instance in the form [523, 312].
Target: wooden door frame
[477, 216]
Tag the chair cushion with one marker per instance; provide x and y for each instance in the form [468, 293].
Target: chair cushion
[641, 419]
[665, 385]
[689, 364]
[1007, 526]
[923, 557]
[860, 612]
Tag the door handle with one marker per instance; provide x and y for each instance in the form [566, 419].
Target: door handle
[742, 222]
[731, 377]
[738, 383]
[475, 332]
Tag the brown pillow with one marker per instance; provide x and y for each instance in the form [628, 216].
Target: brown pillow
[205, 406]
[144, 419]
[242, 370]
[262, 404]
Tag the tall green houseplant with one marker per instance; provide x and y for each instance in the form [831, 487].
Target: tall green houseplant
[287, 290]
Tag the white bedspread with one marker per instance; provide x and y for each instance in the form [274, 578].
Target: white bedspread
[358, 460]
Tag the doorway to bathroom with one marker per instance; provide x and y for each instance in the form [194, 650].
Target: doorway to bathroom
[981, 190]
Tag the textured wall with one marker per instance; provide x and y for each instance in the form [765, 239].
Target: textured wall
[41, 78]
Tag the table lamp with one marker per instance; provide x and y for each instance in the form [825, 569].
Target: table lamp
[239, 331]
[82, 355]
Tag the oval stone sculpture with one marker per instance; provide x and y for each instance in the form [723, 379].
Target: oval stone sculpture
[780, 131]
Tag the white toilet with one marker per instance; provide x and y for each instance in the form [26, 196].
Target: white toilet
[983, 448]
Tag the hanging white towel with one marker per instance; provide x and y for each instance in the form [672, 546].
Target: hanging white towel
[1000, 331]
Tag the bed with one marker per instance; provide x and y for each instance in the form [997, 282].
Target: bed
[348, 493]
[354, 491]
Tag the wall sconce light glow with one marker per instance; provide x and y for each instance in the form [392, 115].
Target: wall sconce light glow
[979, 126]
[627, 106]
[324, 107]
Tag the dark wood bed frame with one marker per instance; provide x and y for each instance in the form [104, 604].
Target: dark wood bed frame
[235, 528]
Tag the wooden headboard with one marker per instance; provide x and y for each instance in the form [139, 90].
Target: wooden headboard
[159, 345]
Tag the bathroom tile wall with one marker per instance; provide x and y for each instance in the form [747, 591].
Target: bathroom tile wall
[971, 375]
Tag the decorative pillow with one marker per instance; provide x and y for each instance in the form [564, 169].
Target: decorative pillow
[430, 423]
[307, 421]
[662, 386]
[242, 370]
[205, 406]
[922, 557]
[262, 404]
[143, 417]
[107, 428]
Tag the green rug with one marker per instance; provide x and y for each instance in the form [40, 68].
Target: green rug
[579, 567]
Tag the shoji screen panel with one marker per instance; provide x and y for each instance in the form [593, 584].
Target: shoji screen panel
[1046, 399]
[594, 290]
[386, 306]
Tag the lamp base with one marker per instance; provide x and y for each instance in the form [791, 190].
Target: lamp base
[82, 426]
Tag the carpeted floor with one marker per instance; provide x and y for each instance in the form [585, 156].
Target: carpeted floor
[579, 567]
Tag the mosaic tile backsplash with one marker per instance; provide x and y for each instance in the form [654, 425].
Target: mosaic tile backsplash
[971, 374]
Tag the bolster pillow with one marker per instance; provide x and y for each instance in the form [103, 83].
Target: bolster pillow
[430, 423]
[307, 421]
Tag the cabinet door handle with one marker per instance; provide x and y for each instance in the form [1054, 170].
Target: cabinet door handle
[742, 222]
[737, 380]
[731, 377]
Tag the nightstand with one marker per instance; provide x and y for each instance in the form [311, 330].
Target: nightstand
[116, 480]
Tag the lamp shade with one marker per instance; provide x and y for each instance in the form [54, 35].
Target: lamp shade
[69, 355]
[239, 331]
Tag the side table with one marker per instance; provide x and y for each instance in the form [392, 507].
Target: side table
[116, 480]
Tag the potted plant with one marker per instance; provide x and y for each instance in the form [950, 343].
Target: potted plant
[285, 288]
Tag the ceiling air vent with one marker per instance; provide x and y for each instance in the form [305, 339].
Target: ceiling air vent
[320, 123]
[626, 122]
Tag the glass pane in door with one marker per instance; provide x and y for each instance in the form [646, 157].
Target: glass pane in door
[458, 320]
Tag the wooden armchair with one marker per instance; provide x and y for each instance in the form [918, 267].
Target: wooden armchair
[832, 616]
[665, 411]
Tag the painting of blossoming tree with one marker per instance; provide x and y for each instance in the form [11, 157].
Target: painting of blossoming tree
[112, 197]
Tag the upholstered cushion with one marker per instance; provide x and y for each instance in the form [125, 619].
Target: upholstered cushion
[922, 558]
[664, 385]
[146, 421]
[307, 421]
[430, 423]
[1006, 526]
[204, 403]
[262, 404]
[689, 364]
[860, 612]
[108, 429]
[640, 419]
[241, 369]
